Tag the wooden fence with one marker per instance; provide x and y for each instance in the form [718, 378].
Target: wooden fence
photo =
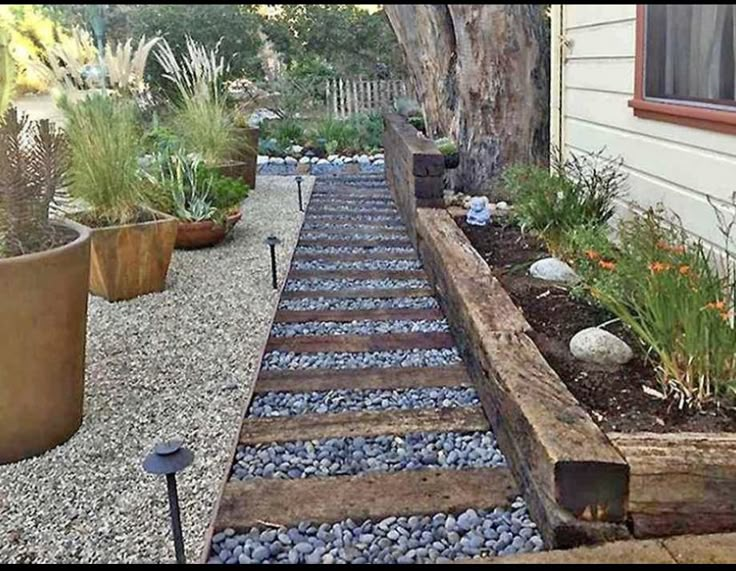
[346, 97]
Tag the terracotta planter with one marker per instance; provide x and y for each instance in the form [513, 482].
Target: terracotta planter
[133, 259]
[43, 304]
[194, 235]
[248, 153]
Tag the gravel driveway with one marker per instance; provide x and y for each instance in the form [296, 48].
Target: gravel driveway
[175, 364]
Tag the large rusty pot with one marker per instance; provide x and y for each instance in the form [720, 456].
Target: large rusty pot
[43, 312]
[132, 259]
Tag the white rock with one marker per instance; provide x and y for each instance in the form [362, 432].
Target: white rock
[502, 205]
[355, 158]
[554, 270]
[262, 159]
[378, 162]
[331, 158]
[323, 162]
[363, 159]
[290, 161]
[296, 149]
[378, 157]
[305, 160]
[598, 346]
[314, 160]
[337, 161]
[276, 161]
[347, 160]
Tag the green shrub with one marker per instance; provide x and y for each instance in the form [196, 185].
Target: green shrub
[446, 146]
[105, 143]
[580, 191]
[227, 192]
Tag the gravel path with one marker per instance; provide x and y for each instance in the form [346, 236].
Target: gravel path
[174, 364]
[281, 360]
[415, 539]
[358, 455]
[345, 400]
[334, 303]
[359, 327]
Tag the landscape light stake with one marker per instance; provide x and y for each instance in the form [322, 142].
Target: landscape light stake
[168, 458]
[299, 189]
[272, 241]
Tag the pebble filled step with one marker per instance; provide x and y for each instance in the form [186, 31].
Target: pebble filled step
[364, 440]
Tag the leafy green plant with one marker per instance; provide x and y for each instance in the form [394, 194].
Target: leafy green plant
[105, 143]
[669, 292]
[446, 146]
[227, 192]
[201, 120]
[331, 147]
[417, 121]
[33, 156]
[579, 191]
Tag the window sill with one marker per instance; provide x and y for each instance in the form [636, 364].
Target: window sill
[687, 115]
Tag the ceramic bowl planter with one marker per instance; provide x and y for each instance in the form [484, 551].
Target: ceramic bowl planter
[194, 235]
[43, 304]
[132, 259]
[248, 153]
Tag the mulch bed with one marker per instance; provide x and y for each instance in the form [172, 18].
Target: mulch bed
[614, 398]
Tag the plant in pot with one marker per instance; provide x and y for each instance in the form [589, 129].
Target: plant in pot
[44, 275]
[131, 244]
[205, 202]
[448, 148]
[201, 118]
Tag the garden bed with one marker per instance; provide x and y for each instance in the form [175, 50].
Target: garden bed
[613, 398]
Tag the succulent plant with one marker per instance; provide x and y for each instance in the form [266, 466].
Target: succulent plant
[33, 158]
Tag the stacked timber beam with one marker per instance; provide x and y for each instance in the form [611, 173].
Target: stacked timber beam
[582, 486]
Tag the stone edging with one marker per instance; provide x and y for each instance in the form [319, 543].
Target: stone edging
[334, 164]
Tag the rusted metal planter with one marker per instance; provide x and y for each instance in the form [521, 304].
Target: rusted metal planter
[248, 153]
[194, 235]
[43, 310]
[132, 259]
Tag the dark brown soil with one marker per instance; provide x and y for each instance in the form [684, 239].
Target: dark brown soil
[614, 398]
[54, 236]
[141, 216]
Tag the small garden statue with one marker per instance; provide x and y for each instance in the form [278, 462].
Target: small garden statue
[479, 213]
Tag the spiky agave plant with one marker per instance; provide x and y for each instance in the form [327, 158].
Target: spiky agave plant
[33, 157]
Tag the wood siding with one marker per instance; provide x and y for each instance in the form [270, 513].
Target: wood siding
[675, 165]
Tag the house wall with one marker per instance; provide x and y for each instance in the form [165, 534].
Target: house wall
[592, 82]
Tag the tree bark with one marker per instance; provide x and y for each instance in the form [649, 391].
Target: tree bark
[481, 74]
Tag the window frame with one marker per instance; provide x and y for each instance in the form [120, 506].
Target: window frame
[682, 112]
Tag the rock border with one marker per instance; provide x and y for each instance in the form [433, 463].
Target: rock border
[315, 166]
[583, 486]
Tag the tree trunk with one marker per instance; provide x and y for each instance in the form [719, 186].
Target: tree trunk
[481, 73]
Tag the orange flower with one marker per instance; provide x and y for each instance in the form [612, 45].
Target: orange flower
[726, 315]
[592, 255]
[607, 265]
[657, 267]
[720, 305]
[684, 270]
[679, 249]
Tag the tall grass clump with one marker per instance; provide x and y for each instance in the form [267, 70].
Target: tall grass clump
[201, 119]
[105, 143]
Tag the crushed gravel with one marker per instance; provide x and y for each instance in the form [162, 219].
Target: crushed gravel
[352, 455]
[171, 364]
[344, 400]
[361, 303]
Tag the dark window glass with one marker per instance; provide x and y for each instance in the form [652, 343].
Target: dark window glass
[689, 53]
